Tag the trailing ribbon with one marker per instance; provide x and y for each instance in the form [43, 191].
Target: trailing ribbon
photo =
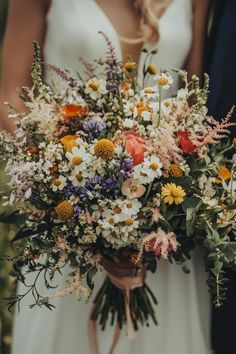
[126, 283]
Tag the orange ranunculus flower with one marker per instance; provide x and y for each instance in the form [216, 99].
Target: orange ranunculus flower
[141, 108]
[73, 110]
[224, 173]
[135, 146]
[69, 141]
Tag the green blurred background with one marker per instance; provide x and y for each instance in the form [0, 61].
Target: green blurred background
[7, 287]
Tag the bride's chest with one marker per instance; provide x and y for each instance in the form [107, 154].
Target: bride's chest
[73, 26]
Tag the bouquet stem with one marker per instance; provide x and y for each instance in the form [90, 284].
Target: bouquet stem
[110, 305]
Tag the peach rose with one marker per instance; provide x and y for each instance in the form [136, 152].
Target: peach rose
[135, 146]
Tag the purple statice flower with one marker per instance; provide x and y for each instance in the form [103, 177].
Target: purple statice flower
[109, 184]
[77, 211]
[77, 192]
[93, 183]
[72, 191]
[127, 165]
[83, 193]
[102, 185]
[94, 127]
[111, 87]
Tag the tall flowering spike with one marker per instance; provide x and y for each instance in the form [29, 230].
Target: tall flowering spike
[112, 67]
[36, 70]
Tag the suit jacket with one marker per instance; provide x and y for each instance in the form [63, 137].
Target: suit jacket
[221, 67]
[221, 60]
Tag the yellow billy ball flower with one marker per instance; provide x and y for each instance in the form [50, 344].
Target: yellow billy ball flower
[173, 194]
[104, 148]
[64, 210]
[152, 69]
[175, 170]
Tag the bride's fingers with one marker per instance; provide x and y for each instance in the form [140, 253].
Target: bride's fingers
[120, 269]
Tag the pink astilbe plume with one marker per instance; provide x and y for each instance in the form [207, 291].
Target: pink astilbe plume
[161, 243]
[75, 287]
[212, 133]
[166, 146]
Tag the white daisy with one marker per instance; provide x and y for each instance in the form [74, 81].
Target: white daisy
[79, 178]
[96, 88]
[167, 106]
[78, 158]
[164, 80]
[119, 236]
[131, 207]
[98, 209]
[154, 166]
[154, 106]
[58, 184]
[150, 92]
[130, 109]
[128, 226]
[146, 172]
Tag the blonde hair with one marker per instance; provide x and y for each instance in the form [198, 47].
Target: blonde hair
[150, 12]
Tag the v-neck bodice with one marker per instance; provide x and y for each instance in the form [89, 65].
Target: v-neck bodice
[73, 26]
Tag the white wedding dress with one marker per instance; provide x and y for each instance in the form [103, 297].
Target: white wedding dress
[183, 311]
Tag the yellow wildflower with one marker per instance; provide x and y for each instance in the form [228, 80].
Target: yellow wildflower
[173, 194]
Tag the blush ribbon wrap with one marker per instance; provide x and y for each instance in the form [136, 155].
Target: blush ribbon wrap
[126, 283]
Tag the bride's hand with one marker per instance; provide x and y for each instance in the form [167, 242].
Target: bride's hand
[121, 268]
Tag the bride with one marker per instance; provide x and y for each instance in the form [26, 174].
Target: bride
[68, 30]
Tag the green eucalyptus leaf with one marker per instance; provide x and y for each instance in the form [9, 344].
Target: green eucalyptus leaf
[191, 206]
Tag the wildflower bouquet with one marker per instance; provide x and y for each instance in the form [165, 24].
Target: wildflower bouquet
[107, 173]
